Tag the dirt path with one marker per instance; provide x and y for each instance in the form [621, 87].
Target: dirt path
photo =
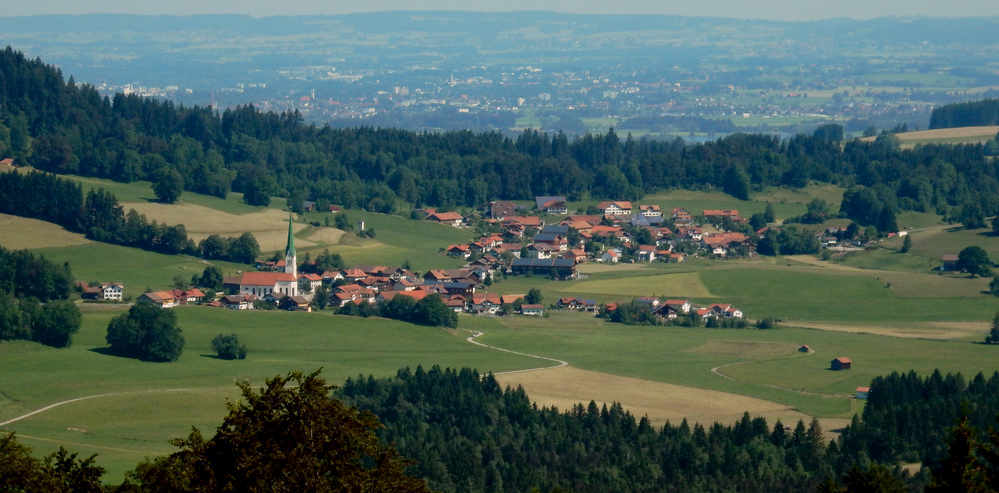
[933, 330]
[84, 398]
[558, 363]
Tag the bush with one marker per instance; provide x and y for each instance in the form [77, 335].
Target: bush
[229, 347]
[766, 323]
[146, 332]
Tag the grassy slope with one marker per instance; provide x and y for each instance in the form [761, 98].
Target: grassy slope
[126, 428]
[141, 191]
[397, 239]
[138, 269]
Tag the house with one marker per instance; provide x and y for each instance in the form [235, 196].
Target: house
[330, 276]
[568, 304]
[238, 301]
[558, 268]
[949, 262]
[112, 291]
[532, 310]
[841, 363]
[650, 301]
[863, 392]
[509, 299]
[552, 205]
[646, 253]
[352, 293]
[554, 241]
[732, 214]
[459, 287]
[462, 251]
[720, 242]
[354, 275]
[578, 255]
[523, 221]
[299, 303]
[193, 295]
[725, 310]
[456, 303]
[449, 218]
[335, 208]
[681, 216]
[314, 280]
[673, 308]
[618, 208]
[90, 292]
[486, 303]
[163, 299]
[611, 256]
[540, 251]
[650, 210]
[500, 209]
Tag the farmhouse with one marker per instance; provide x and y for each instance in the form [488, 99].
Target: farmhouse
[841, 363]
[238, 301]
[559, 268]
[611, 256]
[532, 310]
[646, 253]
[732, 214]
[106, 291]
[458, 251]
[681, 216]
[552, 205]
[486, 303]
[449, 218]
[650, 210]
[863, 392]
[948, 262]
[163, 299]
[615, 208]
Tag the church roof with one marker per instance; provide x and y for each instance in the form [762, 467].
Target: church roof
[265, 278]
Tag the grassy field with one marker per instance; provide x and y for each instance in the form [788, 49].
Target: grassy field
[159, 401]
[761, 364]
[17, 233]
[397, 239]
[141, 191]
[685, 284]
[138, 269]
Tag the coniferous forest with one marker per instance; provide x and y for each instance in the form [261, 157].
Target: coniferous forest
[65, 127]
[466, 433]
[975, 113]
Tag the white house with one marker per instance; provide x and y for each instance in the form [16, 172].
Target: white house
[618, 208]
[112, 291]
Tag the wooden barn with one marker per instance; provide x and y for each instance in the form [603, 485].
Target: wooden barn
[841, 363]
[863, 392]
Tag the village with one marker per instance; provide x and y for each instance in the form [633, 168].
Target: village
[516, 240]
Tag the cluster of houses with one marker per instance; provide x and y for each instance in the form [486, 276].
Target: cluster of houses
[664, 309]
[550, 248]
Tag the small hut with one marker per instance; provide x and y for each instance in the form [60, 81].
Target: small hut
[862, 392]
[841, 363]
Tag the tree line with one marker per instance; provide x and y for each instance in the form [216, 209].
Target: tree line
[64, 127]
[970, 114]
[34, 301]
[430, 310]
[100, 217]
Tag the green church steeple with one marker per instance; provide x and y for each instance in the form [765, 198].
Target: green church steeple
[289, 251]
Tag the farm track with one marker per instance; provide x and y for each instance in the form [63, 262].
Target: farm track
[558, 363]
[717, 371]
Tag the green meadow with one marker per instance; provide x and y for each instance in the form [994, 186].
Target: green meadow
[158, 401]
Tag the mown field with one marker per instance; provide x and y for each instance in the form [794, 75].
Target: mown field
[957, 135]
[17, 233]
[159, 401]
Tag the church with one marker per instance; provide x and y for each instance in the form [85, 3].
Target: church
[274, 284]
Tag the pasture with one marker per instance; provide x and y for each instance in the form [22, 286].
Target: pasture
[397, 240]
[142, 191]
[18, 233]
[138, 269]
[762, 364]
[154, 402]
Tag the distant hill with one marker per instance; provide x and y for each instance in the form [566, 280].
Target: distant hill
[975, 113]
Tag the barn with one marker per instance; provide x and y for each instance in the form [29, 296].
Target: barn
[841, 363]
[863, 392]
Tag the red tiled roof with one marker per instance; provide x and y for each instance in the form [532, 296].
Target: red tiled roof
[265, 278]
[523, 220]
[510, 298]
[622, 204]
[721, 212]
[312, 277]
[445, 216]
[863, 389]
[843, 359]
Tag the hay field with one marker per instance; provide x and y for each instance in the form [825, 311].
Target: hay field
[956, 135]
[269, 226]
[17, 233]
[929, 330]
[661, 402]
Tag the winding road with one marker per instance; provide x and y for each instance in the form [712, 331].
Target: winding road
[558, 363]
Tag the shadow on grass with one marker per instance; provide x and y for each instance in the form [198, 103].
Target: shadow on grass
[106, 351]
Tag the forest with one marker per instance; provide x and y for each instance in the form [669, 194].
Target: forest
[971, 114]
[65, 127]
[34, 301]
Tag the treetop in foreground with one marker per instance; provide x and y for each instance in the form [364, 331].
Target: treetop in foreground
[290, 436]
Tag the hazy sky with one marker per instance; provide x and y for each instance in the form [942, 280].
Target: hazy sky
[770, 9]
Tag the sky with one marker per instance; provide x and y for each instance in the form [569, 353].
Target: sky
[758, 9]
